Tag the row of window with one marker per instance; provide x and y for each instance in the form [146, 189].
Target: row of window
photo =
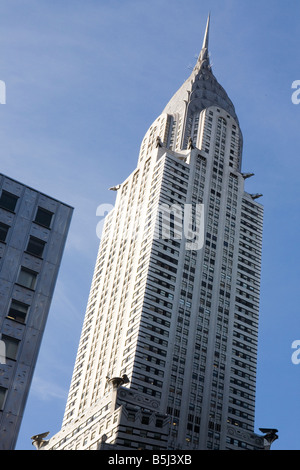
[8, 201]
[18, 311]
[27, 278]
[35, 246]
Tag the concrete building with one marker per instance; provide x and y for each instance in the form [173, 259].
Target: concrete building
[33, 231]
[168, 350]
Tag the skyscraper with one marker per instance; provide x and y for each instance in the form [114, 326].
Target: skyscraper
[168, 350]
[33, 231]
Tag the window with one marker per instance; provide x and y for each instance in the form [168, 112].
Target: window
[8, 201]
[27, 278]
[145, 419]
[35, 246]
[131, 416]
[3, 231]
[2, 397]
[43, 217]
[11, 347]
[18, 311]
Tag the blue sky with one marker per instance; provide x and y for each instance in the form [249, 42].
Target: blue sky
[84, 81]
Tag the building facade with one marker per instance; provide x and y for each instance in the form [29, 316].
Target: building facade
[33, 231]
[168, 350]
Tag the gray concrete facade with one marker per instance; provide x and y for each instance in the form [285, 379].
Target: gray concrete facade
[33, 230]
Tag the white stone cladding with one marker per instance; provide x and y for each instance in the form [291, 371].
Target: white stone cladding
[166, 322]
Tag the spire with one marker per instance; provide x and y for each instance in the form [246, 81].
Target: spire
[206, 35]
[199, 91]
[204, 51]
[203, 59]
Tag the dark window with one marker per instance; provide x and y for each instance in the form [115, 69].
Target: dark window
[3, 231]
[127, 443]
[8, 201]
[43, 217]
[145, 419]
[18, 311]
[35, 246]
[27, 278]
[11, 347]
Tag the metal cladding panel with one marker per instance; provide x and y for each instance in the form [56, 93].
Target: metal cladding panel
[10, 265]
[6, 217]
[48, 278]
[14, 403]
[5, 288]
[39, 232]
[30, 346]
[8, 430]
[22, 294]
[13, 329]
[27, 204]
[39, 309]
[54, 247]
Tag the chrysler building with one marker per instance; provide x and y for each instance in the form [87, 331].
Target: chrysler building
[168, 349]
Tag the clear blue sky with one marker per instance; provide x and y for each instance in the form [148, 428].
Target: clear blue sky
[85, 80]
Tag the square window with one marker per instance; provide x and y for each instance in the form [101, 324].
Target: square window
[8, 201]
[43, 217]
[27, 278]
[18, 311]
[3, 231]
[35, 246]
